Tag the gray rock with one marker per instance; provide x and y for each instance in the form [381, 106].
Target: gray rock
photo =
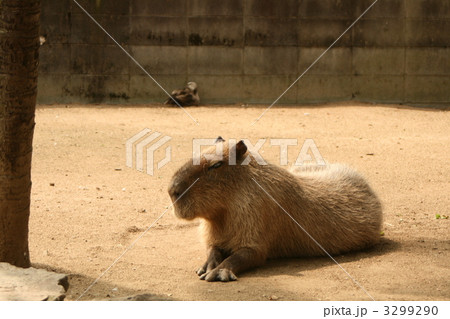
[31, 284]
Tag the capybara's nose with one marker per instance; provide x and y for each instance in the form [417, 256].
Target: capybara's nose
[174, 192]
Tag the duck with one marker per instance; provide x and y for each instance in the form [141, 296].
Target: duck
[185, 97]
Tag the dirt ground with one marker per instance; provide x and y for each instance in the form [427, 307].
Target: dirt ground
[88, 207]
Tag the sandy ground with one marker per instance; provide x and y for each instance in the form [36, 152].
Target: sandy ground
[88, 207]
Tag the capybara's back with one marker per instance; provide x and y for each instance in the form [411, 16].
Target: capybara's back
[334, 210]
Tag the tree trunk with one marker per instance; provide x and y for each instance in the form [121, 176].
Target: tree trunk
[19, 46]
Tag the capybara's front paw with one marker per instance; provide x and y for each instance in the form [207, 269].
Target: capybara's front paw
[217, 274]
[201, 271]
[207, 267]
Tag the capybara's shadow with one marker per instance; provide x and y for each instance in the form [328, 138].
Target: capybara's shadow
[76, 285]
[296, 266]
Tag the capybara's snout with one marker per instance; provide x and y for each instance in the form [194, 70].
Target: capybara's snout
[174, 191]
[177, 188]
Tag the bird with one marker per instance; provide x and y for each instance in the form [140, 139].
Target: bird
[185, 97]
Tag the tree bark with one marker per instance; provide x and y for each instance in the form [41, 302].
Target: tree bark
[19, 47]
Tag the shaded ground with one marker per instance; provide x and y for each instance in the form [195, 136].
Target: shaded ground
[87, 206]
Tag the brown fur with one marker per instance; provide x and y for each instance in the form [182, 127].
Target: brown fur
[243, 226]
[188, 96]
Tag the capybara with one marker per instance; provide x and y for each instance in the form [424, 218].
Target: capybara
[188, 96]
[252, 212]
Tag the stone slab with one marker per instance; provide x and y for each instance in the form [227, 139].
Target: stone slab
[86, 88]
[427, 61]
[270, 31]
[52, 6]
[84, 30]
[54, 58]
[215, 8]
[267, 88]
[218, 31]
[55, 27]
[381, 9]
[121, 7]
[54, 88]
[324, 88]
[99, 59]
[144, 90]
[379, 88]
[172, 8]
[270, 60]
[31, 284]
[218, 88]
[323, 32]
[326, 9]
[427, 33]
[380, 32]
[158, 31]
[337, 61]
[159, 59]
[270, 8]
[215, 60]
[372, 61]
[428, 9]
[427, 89]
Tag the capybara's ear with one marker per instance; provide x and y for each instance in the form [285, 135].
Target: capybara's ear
[241, 148]
[219, 139]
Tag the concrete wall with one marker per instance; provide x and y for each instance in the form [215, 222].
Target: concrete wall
[247, 51]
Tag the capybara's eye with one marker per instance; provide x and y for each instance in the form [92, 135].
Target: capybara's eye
[216, 165]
